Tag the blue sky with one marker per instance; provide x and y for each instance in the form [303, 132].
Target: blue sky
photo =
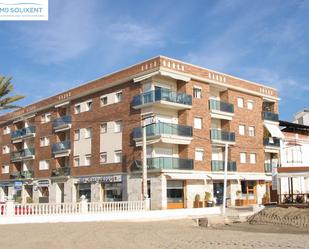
[262, 41]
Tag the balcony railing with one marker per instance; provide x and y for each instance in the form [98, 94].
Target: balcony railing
[267, 167]
[271, 141]
[270, 116]
[162, 95]
[167, 163]
[22, 154]
[217, 165]
[61, 146]
[62, 121]
[220, 135]
[27, 174]
[163, 129]
[23, 132]
[221, 106]
[61, 171]
[15, 175]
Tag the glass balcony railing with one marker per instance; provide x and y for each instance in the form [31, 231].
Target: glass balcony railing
[268, 167]
[15, 175]
[217, 165]
[21, 154]
[220, 135]
[62, 121]
[162, 95]
[61, 146]
[220, 106]
[163, 129]
[27, 174]
[167, 163]
[271, 141]
[270, 116]
[61, 171]
[23, 132]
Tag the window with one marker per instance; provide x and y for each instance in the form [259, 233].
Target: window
[5, 149]
[45, 118]
[118, 156]
[87, 160]
[118, 97]
[251, 131]
[103, 100]
[243, 156]
[6, 130]
[240, 102]
[197, 93]
[44, 141]
[76, 135]
[5, 169]
[199, 154]
[252, 158]
[77, 109]
[44, 165]
[250, 104]
[89, 105]
[88, 133]
[241, 130]
[76, 161]
[198, 123]
[118, 126]
[103, 128]
[103, 157]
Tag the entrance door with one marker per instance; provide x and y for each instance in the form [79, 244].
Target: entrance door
[175, 194]
[61, 188]
[218, 192]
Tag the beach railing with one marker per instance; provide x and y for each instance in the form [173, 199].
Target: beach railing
[121, 206]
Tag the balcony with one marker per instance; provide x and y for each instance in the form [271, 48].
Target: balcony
[165, 133]
[267, 167]
[25, 154]
[61, 171]
[167, 163]
[15, 175]
[269, 116]
[217, 165]
[272, 145]
[62, 123]
[163, 97]
[222, 137]
[62, 148]
[221, 110]
[23, 133]
[27, 174]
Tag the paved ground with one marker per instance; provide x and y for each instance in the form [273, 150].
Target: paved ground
[163, 234]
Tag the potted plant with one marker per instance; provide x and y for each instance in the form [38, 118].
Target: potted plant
[197, 201]
[238, 201]
[207, 200]
[265, 198]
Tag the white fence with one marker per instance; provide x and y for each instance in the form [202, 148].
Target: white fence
[82, 207]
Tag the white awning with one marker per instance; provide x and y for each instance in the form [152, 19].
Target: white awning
[144, 77]
[255, 177]
[62, 104]
[221, 177]
[186, 176]
[274, 130]
[172, 75]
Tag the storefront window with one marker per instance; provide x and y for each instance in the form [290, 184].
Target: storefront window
[83, 189]
[112, 191]
[44, 195]
[175, 191]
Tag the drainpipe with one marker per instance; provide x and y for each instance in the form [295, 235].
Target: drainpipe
[225, 178]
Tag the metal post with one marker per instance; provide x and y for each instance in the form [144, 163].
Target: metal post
[145, 190]
[225, 178]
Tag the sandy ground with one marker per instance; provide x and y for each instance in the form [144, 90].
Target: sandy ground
[162, 234]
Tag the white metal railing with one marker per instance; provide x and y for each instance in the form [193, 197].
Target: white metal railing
[82, 207]
[121, 206]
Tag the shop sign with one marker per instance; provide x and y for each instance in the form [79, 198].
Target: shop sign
[43, 183]
[18, 185]
[102, 179]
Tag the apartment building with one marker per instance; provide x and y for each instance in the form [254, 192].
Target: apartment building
[87, 140]
[293, 173]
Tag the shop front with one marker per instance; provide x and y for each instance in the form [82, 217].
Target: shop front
[4, 190]
[175, 194]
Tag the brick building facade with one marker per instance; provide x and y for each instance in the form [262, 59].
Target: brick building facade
[87, 140]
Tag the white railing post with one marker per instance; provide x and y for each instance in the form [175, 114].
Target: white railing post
[10, 210]
[83, 204]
